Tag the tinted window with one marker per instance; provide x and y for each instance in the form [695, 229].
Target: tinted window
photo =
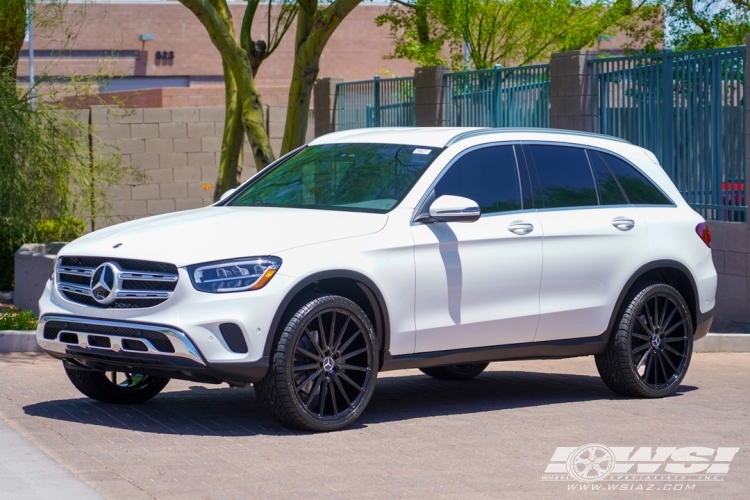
[353, 177]
[637, 187]
[487, 176]
[609, 190]
[564, 176]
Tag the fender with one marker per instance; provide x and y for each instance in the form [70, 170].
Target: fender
[374, 296]
[699, 317]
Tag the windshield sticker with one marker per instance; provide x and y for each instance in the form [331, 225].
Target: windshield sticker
[422, 151]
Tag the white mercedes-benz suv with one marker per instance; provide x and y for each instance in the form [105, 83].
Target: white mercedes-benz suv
[441, 249]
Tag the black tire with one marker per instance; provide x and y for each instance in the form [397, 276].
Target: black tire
[455, 372]
[323, 365]
[133, 388]
[649, 352]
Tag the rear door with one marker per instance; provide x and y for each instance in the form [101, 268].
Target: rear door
[594, 240]
[477, 284]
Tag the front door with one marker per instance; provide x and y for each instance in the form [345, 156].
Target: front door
[477, 284]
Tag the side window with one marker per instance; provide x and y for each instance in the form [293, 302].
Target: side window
[639, 190]
[564, 176]
[609, 190]
[488, 176]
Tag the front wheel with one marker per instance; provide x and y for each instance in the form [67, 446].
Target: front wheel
[116, 387]
[455, 372]
[323, 366]
[649, 353]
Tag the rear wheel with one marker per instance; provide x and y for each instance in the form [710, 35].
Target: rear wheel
[649, 353]
[117, 387]
[323, 367]
[455, 372]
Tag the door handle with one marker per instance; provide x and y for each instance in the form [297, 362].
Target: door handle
[623, 223]
[520, 227]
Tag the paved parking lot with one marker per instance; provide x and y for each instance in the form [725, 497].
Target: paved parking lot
[492, 437]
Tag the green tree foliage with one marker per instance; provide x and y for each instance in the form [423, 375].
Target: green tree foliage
[708, 24]
[509, 32]
[53, 169]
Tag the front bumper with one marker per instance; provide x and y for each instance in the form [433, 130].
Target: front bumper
[102, 345]
[189, 319]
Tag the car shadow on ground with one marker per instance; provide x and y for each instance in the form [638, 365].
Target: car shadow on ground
[222, 411]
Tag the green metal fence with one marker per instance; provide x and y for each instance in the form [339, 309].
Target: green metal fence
[689, 109]
[387, 102]
[499, 97]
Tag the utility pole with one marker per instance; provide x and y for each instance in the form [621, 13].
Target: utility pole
[32, 90]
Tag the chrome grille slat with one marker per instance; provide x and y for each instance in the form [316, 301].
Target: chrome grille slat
[72, 271]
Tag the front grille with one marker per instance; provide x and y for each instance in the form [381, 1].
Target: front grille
[158, 339]
[138, 283]
[233, 337]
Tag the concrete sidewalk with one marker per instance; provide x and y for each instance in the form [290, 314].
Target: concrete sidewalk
[27, 473]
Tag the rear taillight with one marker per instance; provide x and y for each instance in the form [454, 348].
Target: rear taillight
[704, 233]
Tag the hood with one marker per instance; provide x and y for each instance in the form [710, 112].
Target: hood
[217, 233]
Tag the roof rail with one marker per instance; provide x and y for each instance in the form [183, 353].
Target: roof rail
[474, 133]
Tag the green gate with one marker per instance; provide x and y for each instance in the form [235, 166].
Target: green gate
[375, 103]
[687, 108]
[498, 97]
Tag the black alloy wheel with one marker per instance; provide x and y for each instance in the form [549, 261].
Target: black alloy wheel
[648, 356]
[116, 387]
[324, 366]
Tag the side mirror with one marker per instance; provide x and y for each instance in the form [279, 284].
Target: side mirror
[227, 193]
[449, 208]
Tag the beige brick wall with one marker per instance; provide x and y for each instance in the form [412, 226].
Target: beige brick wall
[177, 149]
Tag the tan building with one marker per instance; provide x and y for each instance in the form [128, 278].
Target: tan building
[160, 44]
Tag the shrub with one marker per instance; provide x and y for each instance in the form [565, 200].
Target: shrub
[21, 320]
[62, 229]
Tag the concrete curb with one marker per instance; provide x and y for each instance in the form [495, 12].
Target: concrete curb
[723, 342]
[25, 341]
[18, 341]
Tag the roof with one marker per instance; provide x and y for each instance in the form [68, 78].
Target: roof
[440, 136]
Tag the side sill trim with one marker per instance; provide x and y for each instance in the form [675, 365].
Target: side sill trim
[553, 349]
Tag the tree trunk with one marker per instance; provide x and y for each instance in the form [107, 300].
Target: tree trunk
[230, 166]
[12, 32]
[314, 28]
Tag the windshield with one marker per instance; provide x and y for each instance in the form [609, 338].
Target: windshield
[353, 177]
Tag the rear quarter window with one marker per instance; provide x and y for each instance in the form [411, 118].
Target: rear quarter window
[638, 188]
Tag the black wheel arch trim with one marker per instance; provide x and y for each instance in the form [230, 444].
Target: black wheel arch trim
[699, 316]
[368, 287]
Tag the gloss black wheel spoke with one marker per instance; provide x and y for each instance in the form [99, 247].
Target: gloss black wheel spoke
[308, 379]
[352, 354]
[645, 326]
[674, 368]
[113, 377]
[344, 366]
[332, 330]
[662, 366]
[340, 336]
[675, 339]
[343, 392]
[643, 359]
[672, 328]
[649, 365]
[348, 342]
[315, 344]
[664, 312]
[673, 351]
[350, 381]
[309, 354]
[648, 316]
[311, 366]
[323, 396]
[322, 333]
[332, 390]
[641, 348]
[315, 388]
[641, 336]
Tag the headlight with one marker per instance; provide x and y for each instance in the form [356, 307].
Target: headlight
[238, 275]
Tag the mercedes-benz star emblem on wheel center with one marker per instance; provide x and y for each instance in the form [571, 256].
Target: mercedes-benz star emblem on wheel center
[104, 283]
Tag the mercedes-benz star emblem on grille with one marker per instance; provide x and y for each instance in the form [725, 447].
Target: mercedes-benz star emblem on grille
[104, 283]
